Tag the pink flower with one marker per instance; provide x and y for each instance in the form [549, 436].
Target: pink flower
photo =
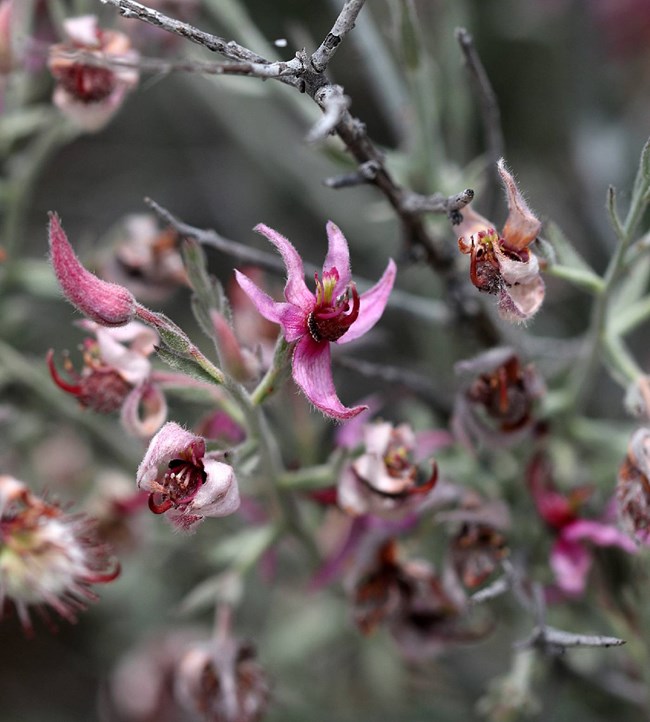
[184, 480]
[503, 264]
[106, 303]
[90, 93]
[117, 375]
[571, 555]
[335, 313]
[47, 556]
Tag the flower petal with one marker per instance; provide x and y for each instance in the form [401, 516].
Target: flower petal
[296, 290]
[338, 256]
[522, 225]
[269, 308]
[373, 303]
[154, 405]
[171, 442]
[570, 562]
[131, 365]
[472, 223]
[219, 496]
[521, 302]
[602, 535]
[312, 371]
[294, 322]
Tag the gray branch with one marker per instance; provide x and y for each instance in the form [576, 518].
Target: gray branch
[344, 23]
[334, 104]
[550, 639]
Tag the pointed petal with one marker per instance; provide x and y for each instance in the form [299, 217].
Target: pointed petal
[269, 308]
[338, 256]
[296, 290]
[312, 371]
[522, 225]
[373, 303]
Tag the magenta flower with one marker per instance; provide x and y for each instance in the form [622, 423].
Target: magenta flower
[571, 555]
[185, 481]
[335, 313]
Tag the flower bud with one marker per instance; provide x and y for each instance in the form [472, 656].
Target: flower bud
[106, 303]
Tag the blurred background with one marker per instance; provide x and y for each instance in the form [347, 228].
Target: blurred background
[571, 77]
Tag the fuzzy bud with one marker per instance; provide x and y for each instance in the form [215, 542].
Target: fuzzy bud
[106, 303]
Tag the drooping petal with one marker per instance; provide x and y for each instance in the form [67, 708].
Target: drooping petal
[522, 225]
[296, 290]
[599, 534]
[338, 256]
[312, 371]
[570, 562]
[144, 410]
[373, 303]
[520, 303]
[269, 308]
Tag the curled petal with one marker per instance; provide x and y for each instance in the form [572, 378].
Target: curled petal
[312, 371]
[296, 290]
[338, 256]
[269, 308]
[219, 495]
[171, 442]
[522, 225]
[373, 303]
[153, 403]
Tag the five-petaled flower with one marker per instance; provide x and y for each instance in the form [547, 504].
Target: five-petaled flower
[502, 264]
[88, 90]
[335, 313]
[184, 480]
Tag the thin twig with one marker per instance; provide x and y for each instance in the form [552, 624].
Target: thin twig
[344, 23]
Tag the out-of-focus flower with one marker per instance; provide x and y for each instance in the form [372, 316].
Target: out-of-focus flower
[496, 407]
[503, 264]
[423, 611]
[145, 259]
[386, 479]
[48, 558]
[116, 375]
[625, 25]
[106, 303]
[91, 87]
[633, 488]
[571, 555]
[185, 481]
[7, 53]
[637, 398]
[335, 313]
[141, 687]
[479, 544]
[154, 38]
[220, 427]
[222, 681]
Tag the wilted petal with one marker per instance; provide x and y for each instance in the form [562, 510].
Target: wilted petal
[338, 256]
[312, 371]
[472, 223]
[520, 303]
[296, 290]
[522, 225]
[269, 308]
[373, 303]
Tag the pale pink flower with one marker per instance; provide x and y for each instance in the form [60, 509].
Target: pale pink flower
[184, 480]
[571, 554]
[48, 558]
[91, 91]
[117, 375]
[106, 303]
[386, 480]
[335, 313]
[633, 488]
[502, 264]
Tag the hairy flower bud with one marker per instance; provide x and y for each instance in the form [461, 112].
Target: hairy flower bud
[106, 303]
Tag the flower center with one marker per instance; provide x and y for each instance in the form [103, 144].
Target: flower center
[332, 317]
[179, 486]
[86, 83]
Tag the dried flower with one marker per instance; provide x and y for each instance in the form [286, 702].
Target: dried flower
[633, 488]
[117, 375]
[335, 313]
[48, 557]
[503, 264]
[106, 303]
[185, 481]
[571, 556]
[496, 407]
[386, 480]
[221, 681]
[89, 90]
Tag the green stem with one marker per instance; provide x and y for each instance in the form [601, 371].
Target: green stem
[273, 378]
[631, 317]
[586, 280]
[311, 477]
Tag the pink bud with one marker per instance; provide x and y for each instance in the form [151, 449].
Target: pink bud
[106, 303]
